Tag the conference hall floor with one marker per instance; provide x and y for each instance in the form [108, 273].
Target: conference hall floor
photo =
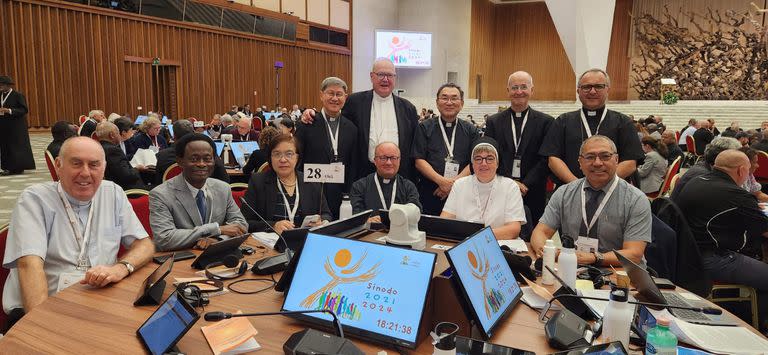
[12, 186]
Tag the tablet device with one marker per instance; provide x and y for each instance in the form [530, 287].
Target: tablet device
[164, 328]
[217, 251]
[364, 284]
[177, 256]
[345, 227]
[151, 291]
[485, 279]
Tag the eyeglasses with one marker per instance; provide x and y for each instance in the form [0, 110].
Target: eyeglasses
[518, 87]
[338, 94]
[205, 159]
[589, 87]
[604, 156]
[447, 99]
[488, 159]
[389, 76]
[280, 155]
[383, 158]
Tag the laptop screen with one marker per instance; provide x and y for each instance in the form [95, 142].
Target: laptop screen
[363, 284]
[343, 227]
[485, 278]
[167, 325]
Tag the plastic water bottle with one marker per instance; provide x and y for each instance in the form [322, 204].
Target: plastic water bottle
[345, 211]
[567, 264]
[618, 318]
[549, 260]
[660, 340]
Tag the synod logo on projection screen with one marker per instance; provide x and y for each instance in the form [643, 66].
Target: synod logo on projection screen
[405, 49]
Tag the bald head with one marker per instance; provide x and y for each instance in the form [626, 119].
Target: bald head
[734, 163]
[108, 131]
[76, 144]
[519, 76]
[519, 90]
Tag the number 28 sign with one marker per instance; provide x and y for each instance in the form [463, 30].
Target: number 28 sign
[329, 173]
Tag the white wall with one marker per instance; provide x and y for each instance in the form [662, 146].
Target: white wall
[447, 20]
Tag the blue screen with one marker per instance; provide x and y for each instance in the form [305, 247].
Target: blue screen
[140, 119]
[371, 287]
[486, 277]
[168, 323]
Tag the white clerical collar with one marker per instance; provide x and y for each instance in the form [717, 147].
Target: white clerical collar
[448, 124]
[520, 114]
[383, 180]
[329, 117]
[382, 99]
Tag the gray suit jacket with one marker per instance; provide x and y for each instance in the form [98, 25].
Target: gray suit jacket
[174, 217]
[652, 172]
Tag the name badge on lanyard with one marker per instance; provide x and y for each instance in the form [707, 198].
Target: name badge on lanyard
[81, 237]
[586, 124]
[451, 166]
[381, 193]
[516, 163]
[291, 212]
[586, 243]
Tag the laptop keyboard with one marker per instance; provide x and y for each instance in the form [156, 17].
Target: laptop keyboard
[675, 300]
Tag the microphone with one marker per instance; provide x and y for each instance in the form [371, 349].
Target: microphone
[307, 341]
[217, 316]
[272, 264]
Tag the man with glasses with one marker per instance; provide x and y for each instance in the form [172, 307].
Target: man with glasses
[380, 116]
[381, 189]
[331, 139]
[520, 131]
[570, 129]
[441, 148]
[601, 212]
[187, 209]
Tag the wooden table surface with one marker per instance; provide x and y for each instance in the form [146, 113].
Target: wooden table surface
[81, 319]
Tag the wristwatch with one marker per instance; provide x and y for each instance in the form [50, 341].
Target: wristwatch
[598, 258]
[128, 266]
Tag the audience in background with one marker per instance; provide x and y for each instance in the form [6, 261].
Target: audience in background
[215, 127]
[762, 144]
[61, 131]
[167, 156]
[703, 136]
[89, 126]
[125, 128]
[149, 136]
[259, 156]
[243, 131]
[654, 167]
[743, 138]
[751, 185]
[673, 150]
[118, 168]
[704, 165]
[689, 130]
[286, 125]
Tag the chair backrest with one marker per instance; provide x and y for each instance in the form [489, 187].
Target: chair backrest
[172, 171]
[264, 167]
[690, 145]
[671, 172]
[139, 200]
[762, 171]
[688, 265]
[677, 136]
[673, 182]
[82, 119]
[3, 274]
[94, 136]
[256, 123]
[51, 168]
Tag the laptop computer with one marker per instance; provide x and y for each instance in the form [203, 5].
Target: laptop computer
[164, 328]
[648, 291]
[452, 230]
[345, 228]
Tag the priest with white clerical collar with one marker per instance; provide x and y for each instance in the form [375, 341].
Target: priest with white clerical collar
[381, 189]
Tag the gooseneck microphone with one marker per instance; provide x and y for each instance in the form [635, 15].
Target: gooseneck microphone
[217, 316]
[272, 264]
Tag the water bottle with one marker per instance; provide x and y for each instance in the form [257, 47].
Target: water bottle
[549, 260]
[567, 264]
[618, 318]
[345, 211]
[660, 340]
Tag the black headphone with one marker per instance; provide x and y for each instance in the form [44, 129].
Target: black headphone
[192, 295]
[229, 261]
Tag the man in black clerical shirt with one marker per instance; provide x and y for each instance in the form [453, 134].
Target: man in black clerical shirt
[519, 143]
[441, 149]
[562, 143]
[703, 136]
[375, 191]
[726, 219]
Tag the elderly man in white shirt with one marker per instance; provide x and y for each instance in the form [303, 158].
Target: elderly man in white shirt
[70, 231]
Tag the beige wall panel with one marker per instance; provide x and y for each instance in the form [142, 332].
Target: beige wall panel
[298, 7]
[340, 14]
[317, 11]
[271, 5]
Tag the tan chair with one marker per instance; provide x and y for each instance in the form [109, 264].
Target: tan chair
[746, 293]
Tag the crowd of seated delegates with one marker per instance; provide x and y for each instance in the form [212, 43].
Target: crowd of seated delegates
[149, 136]
[167, 156]
[118, 168]
[60, 131]
[654, 167]
[259, 156]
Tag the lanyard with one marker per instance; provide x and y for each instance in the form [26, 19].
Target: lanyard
[2, 102]
[599, 207]
[488, 199]
[82, 239]
[381, 193]
[586, 125]
[448, 146]
[290, 211]
[334, 138]
[522, 129]
[153, 141]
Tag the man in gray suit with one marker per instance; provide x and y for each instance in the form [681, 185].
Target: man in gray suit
[188, 209]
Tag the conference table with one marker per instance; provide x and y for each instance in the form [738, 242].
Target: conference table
[81, 319]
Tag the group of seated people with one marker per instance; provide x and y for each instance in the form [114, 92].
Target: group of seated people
[464, 177]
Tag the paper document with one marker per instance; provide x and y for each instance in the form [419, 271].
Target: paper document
[231, 336]
[267, 238]
[516, 245]
[719, 339]
[144, 157]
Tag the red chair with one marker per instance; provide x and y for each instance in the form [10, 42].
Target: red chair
[94, 136]
[690, 145]
[3, 273]
[550, 185]
[172, 171]
[665, 185]
[761, 174]
[677, 136]
[256, 123]
[238, 191]
[82, 119]
[51, 167]
[139, 200]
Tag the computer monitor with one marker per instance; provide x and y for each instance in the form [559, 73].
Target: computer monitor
[485, 279]
[363, 284]
[167, 325]
[140, 119]
[436, 227]
[345, 227]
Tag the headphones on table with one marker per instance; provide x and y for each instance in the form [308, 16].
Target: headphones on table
[230, 261]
